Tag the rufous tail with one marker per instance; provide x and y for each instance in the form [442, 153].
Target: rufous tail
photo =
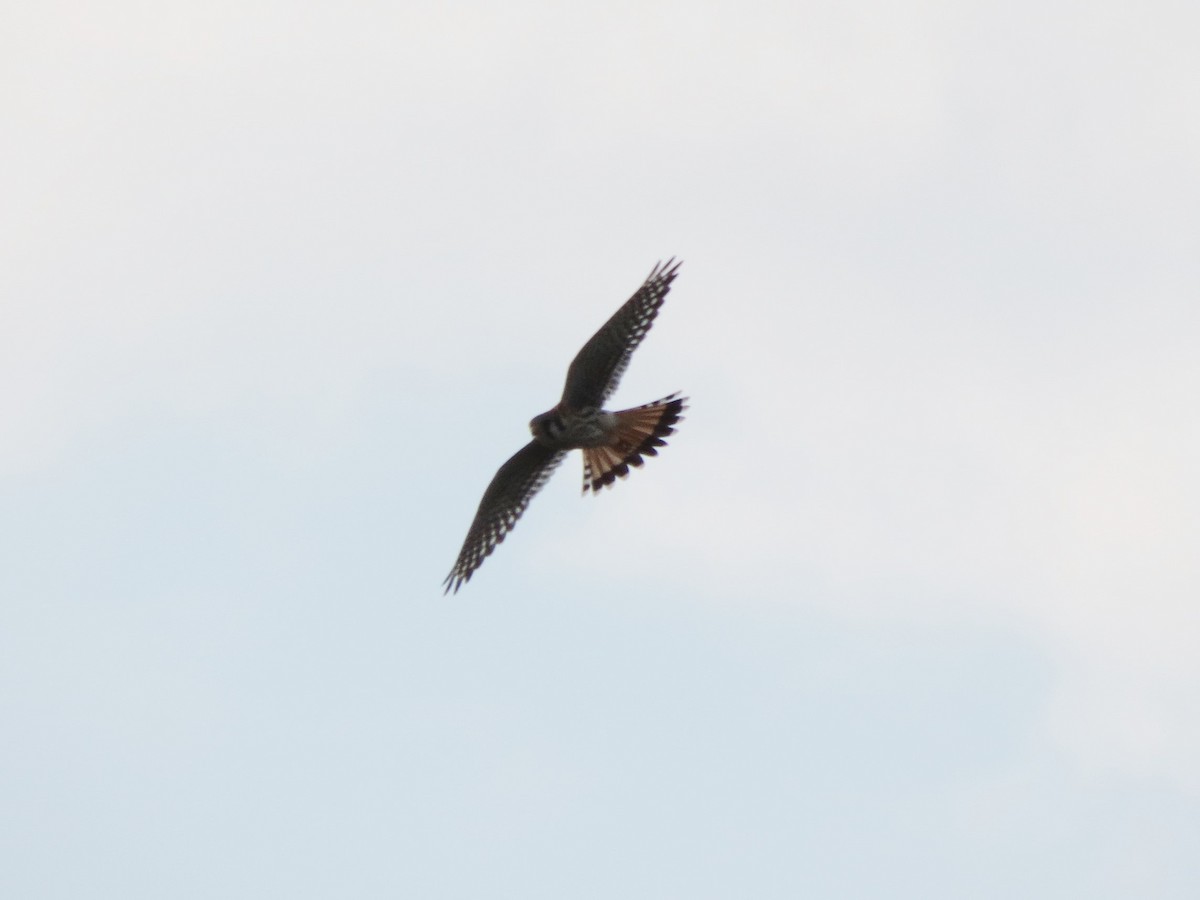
[639, 432]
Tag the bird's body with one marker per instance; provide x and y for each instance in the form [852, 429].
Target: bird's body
[611, 441]
[573, 430]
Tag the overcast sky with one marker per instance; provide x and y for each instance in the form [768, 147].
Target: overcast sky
[910, 607]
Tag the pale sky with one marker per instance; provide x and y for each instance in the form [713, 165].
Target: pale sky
[910, 606]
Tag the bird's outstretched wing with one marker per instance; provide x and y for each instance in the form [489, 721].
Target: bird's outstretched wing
[597, 368]
[502, 504]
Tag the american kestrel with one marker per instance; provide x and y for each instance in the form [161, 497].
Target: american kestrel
[611, 441]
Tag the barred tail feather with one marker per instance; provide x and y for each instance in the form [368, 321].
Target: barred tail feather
[639, 431]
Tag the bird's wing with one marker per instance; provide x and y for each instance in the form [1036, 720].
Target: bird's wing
[502, 504]
[598, 367]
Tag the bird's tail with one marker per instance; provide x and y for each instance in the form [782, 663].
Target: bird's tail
[639, 431]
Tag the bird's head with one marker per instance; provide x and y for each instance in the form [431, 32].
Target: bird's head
[548, 427]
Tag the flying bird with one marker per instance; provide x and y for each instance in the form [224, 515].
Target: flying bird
[611, 441]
